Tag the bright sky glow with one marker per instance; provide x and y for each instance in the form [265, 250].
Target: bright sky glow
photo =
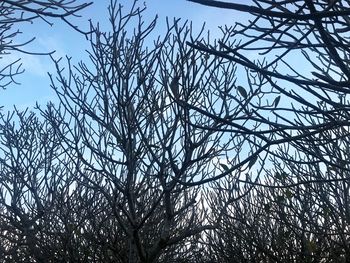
[35, 83]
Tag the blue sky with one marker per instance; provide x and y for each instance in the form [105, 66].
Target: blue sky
[35, 84]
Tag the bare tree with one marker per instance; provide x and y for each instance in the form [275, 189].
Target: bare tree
[294, 216]
[164, 152]
[136, 146]
[295, 57]
[45, 215]
[31, 178]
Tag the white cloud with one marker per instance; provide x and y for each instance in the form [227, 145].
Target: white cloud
[37, 65]
[50, 44]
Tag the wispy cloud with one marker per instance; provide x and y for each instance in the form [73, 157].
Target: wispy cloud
[37, 65]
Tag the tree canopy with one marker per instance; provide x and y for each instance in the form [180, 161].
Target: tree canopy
[189, 149]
